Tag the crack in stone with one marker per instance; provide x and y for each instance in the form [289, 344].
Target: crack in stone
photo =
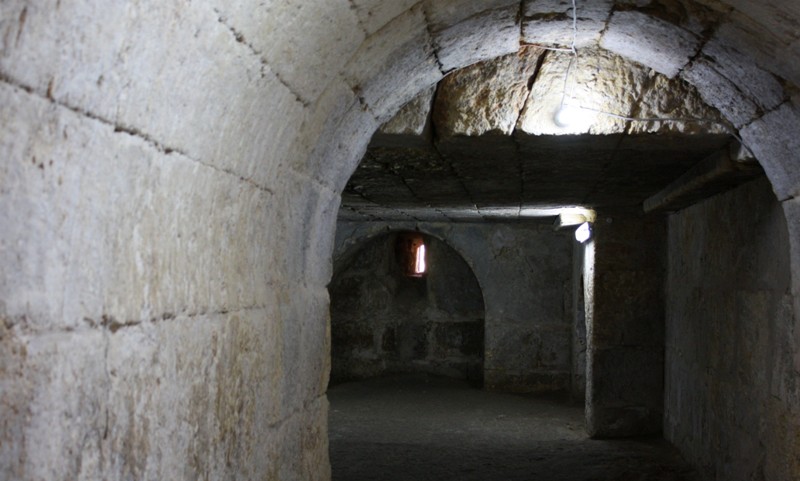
[128, 130]
[240, 38]
[431, 39]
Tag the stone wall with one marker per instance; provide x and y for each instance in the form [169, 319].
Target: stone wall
[170, 177]
[383, 321]
[625, 264]
[525, 272]
[732, 383]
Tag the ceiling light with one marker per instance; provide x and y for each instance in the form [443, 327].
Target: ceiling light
[567, 116]
[583, 233]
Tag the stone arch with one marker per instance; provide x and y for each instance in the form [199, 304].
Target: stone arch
[429, 324]
[127, 123]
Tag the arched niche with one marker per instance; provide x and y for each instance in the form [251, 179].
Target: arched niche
[386, 319]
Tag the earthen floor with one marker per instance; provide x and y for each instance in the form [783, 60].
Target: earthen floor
[416, 427]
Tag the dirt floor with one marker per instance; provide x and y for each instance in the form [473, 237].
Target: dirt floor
[419, 428]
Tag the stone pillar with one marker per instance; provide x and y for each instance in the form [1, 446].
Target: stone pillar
[625, 326]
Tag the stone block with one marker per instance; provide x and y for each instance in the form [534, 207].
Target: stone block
[791, 209]
[773, 141]
[213, 110]
[374, 14]
[303, 444]
[55, 418]
[624, 392]
[279, 31]
[413, 118]
[481, 37]
[761, 47]
[628, 309]
[598, 80]
[758, 85]
[650, 41]
[719, 92]
[393, 65]
[333, 137]
[442, 14]
[549, 22]
[485, 98]
[92, 195]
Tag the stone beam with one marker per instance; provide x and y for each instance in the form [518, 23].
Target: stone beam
[717, 173]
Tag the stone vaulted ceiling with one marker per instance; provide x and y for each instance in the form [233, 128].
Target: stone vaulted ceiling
[483, 144]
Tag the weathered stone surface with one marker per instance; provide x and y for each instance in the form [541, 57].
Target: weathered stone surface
[679, 103]
[481, 37]
[393, 66]
[385, 322]
[773, 140]
[625, 327]
[122, 74]
[334, 137]
[717, 173]
[549, 22]
[54, 407]
[527, 338]
[731, 381]
[139, 209]
[756, 84]
[413, 118]
[278, 30]
[762, 46]
[598, 81]
[487, 97]
[650, 41]
[443, 14]
[720, 92]
[374, 14]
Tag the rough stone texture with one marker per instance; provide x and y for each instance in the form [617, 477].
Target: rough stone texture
[625, 327]
[720, 92]
[650, 41]
[762, 45]
[385, 322]
[123, 75]
[413, 118]
[481, 37]
[732, 396]
[193, 121]
[278, 31]
[600, 81]
[446, 13]
[374, 14]
[774, 142]
[759, 86]
[549, 22]
[393, 65]
[486, 97]
[579, 305]
[525, 275]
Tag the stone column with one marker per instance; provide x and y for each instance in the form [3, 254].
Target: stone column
[625, 326]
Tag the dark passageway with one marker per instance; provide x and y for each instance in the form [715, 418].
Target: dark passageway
[419, 427]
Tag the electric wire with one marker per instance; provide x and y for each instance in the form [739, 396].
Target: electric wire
[573, 60]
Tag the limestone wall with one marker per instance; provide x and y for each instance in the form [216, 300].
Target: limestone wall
[732, 399]
[525, 273]
[384, 321]
[169, 177]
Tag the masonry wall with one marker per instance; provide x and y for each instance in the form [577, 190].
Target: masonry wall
[383, 321]
[732, 387]
[525, 273]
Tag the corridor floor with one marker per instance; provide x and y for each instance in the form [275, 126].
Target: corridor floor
[420, 428]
